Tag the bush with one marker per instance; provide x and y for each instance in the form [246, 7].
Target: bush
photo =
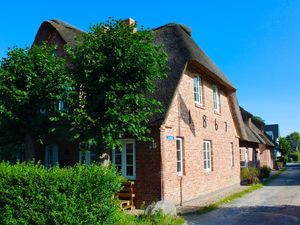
[249, 175]
[295, 156]
[279, 165]
[264, 172]
[31, 194]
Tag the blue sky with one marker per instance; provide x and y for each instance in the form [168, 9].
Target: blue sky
[255, 43]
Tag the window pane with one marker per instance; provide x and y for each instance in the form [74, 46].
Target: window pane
[196, 89]
[178, 155]
[200, 90]
[129, 159]
[118, 159]
[129, 148]
[178, 144]
[178, 166]
[129, 170]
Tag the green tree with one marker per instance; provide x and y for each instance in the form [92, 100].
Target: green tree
[115, 70]
[284, 148]
[294, 137]
[258, 118]
[32, 83]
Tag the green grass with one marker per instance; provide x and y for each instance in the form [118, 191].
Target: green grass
[156, 219]
[235, 196]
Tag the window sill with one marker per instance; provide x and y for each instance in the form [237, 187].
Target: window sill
[207, 171]
[199, 105]
[217, 113]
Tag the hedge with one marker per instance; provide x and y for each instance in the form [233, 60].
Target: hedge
[31, 194]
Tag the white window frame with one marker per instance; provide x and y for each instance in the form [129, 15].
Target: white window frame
[198, 96]
[207, 156]
[123, 161]
[216, 98]
[244, 157]
[179, 159]
[51, 155]
[85, 160]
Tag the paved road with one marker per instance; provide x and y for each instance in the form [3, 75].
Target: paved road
[277, 203]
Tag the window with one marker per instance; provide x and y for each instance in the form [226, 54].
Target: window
[85, 157]
[179, 156]
[232, 155]
[244, 157]
[198, 90]
[51, 155]
[124, 159]
[270, 133]
[207, 155]
[216, 99]
[61, 105]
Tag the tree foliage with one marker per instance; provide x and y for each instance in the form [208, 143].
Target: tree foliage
[258, 118]
[284, 148]
[115, 70]
[32, 82]
[294, 137]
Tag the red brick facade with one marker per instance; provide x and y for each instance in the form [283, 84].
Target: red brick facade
[266, 156]
[185, 119]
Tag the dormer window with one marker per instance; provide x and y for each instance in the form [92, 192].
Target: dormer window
[198, 90]
[216, 99]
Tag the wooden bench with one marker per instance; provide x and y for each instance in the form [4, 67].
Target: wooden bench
[126, 195]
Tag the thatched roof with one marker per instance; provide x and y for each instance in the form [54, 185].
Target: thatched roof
[67, 32]
[182, 50]
[254, 133]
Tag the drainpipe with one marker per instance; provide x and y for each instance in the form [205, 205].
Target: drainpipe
[162, 158]
[179, 134]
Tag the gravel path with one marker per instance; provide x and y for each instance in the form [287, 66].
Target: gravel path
[276, 203]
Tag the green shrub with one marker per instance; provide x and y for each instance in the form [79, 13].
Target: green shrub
[249, 175]
[31, 194]
[279, 165]
[264, 172]
[295, 156]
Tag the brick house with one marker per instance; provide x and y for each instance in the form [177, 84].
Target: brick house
[196, 141]
[257, 149]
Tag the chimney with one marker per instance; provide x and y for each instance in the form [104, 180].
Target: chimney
[131, 22]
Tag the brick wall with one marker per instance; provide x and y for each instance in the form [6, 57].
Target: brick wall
[185, 119]
[266, 156]
[148, 170]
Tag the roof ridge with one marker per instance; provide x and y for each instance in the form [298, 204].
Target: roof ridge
[64, 24]
[185, 28]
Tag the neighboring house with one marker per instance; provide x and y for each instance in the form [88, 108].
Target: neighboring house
[266, 147]
[272, 131]
[257, 150]
[249, 147]
[196, 141]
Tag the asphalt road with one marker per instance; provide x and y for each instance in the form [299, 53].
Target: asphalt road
[276, 203]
